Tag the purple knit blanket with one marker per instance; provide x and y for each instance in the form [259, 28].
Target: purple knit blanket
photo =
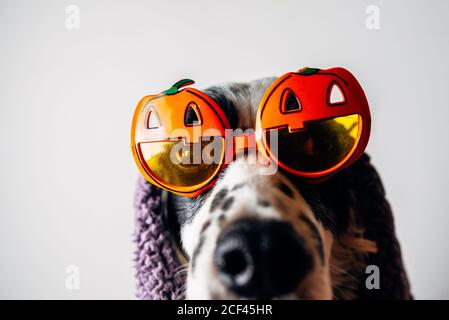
[158, 271]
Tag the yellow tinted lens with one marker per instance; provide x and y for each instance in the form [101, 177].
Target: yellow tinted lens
[177, 164]
[320, 146]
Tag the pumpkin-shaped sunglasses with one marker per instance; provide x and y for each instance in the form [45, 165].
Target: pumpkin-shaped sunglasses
[320, 120]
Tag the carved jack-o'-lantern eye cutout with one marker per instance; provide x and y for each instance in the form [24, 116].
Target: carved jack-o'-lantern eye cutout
[290, 102]
[152, 119]
[192, 116]
[335, 94]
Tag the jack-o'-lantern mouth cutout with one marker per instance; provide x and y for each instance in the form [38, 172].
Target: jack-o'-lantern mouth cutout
[320, 120]
[322, 145]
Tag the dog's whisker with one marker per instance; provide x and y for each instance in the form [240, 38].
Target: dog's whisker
[181, 269]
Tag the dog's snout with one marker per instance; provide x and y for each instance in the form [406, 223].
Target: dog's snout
[261, 259]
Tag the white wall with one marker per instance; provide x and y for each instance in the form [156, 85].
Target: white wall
[67, 97]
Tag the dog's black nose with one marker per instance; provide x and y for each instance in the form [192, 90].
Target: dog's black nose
[261, 259]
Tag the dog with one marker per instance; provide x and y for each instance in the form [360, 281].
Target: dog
[254, 236]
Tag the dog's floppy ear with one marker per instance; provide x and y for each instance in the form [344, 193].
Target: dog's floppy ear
[155, 260]
[377, 219]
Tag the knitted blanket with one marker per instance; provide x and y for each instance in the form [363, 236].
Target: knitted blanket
[157, 268]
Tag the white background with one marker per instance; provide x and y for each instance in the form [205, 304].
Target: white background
[67, 96]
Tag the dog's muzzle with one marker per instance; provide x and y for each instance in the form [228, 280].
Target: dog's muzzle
[261, 259]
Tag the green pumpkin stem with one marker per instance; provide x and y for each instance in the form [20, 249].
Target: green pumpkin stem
[175, 88]
[308, 71]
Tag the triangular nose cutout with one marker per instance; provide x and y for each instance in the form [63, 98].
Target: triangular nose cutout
[291, 102]
[192, 116]
[336, 95]
[153, 120]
